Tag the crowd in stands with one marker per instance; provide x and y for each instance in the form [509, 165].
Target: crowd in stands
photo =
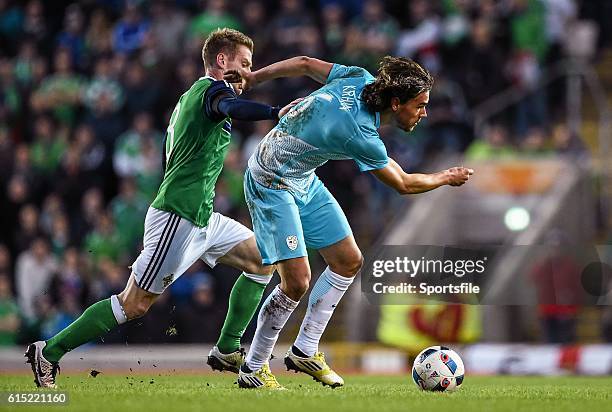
[87, 88]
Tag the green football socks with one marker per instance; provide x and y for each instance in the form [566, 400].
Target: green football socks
[97, 320]
[243, 302]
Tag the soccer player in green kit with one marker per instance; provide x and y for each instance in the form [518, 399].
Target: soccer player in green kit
[180, 226]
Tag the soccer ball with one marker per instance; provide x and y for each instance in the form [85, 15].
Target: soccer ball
[438, 368]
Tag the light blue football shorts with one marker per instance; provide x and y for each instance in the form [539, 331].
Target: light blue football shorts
[286, 224]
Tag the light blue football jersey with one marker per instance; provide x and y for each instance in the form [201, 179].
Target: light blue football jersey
[332, 123]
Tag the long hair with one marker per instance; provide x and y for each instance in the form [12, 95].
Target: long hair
[397, 77]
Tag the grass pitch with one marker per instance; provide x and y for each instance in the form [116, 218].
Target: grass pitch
[217, 392]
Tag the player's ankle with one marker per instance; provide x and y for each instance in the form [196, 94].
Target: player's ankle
[298, 352]
[226, 350]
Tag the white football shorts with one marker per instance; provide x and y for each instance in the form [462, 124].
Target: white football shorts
[172, 244]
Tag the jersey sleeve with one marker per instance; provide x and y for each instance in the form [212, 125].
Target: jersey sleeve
[339, 71]
[368, 151]
[216, 90]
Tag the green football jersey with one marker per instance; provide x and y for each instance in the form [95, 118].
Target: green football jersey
[195, 151]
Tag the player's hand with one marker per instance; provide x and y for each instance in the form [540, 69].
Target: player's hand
[244, 77]
[458, 175]
[285, 109]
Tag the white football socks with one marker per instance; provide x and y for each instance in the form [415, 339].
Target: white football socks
[324, 297]
[272, 317]
[261, 279]
[118, 311]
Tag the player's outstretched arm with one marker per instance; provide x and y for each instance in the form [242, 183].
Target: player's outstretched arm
[293, 67]
[410, 183]
[239, 109]
[221, 101]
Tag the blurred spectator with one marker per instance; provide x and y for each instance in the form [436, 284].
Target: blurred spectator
[6, 155]
[447, 118]
[288, 26]
[536, 143]
[9, 312]
[99, 34]
[168, 24]
[530, 46]
[28, 228]
[105, 241]
[422, 35]
[201, 311]
[54, 318]
[92, 153]
[141, 90]
[455, 25]
[493, 145]
[61, 91]
[256, 27]
[34, 24]
[111, 279]
[51, 208]
[568, 144]
[11, 22]
[214, 15]
[103, 83]
[17, 194]
[72, 37]
[182, 289]
[5, 260]
[233, 172]
[479, 64]
[48, 146]
[24, 62]
[59, 238]
[91, 206]
[129, 209]
[130, 32]
[138, 154]
[70, 182]
[10, 94]
[105, 119]
[33, 272]
[559, 13]
[378, 29]
[334, 29]
[69, 282]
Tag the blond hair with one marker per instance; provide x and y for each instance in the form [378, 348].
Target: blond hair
[223, 41]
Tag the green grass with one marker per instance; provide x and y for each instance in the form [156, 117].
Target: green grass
[362, 393]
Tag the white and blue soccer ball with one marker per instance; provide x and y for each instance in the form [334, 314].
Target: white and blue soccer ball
[438, 369]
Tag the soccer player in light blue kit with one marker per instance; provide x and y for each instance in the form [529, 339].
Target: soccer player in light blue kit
[291, 209]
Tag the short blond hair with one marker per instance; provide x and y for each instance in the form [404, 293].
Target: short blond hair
[226, 41]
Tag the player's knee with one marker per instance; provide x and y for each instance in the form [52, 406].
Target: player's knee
[257, 268]
[135, 308]
[297, 286]
[349, 265]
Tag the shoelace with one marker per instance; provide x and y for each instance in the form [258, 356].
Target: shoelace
[267, 376]
[320, 356]
[49, 370]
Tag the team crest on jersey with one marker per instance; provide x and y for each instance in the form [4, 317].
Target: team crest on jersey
[292, 242]
[168, 280]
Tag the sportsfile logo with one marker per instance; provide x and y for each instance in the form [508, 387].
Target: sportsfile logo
[489, 275]
[412, 267]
